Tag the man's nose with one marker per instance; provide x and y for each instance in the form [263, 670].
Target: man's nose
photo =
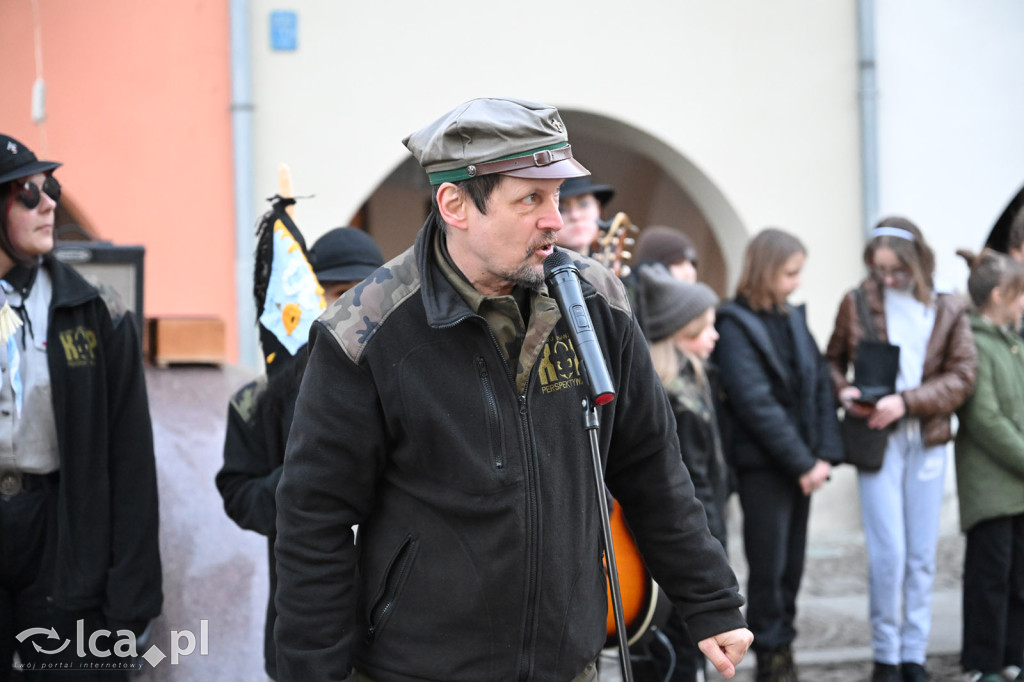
[552, 218]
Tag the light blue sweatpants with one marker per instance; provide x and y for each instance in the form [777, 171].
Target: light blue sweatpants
[900, 508]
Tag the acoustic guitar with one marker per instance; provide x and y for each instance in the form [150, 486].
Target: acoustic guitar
[644, 605]
[612, 246]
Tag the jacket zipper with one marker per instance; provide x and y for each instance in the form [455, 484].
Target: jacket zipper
[395, 577]
[493, 418]
[532, 543]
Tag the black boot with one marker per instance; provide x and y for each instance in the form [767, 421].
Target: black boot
[914, 672]
[776, 665]
[883, 672]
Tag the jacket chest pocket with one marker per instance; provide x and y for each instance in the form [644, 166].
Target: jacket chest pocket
[456, 412]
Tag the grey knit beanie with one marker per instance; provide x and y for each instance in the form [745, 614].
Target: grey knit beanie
[670, 304]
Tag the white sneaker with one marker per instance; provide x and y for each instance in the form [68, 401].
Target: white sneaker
[1011, 672]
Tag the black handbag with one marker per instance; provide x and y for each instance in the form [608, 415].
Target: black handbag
[874, 373]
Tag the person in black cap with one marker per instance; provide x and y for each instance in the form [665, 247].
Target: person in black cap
[580, 203]
[78, 494]
[436, 414]
[260, 413]
[341, 258]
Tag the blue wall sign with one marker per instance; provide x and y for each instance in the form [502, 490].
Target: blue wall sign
[284, 30]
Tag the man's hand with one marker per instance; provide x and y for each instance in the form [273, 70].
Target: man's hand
[727, 649]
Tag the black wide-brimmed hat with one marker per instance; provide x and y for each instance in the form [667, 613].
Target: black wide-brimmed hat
[576, 187]
[18, 161]
[345, 254]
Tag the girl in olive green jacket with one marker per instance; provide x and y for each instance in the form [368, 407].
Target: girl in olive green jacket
[990, 473]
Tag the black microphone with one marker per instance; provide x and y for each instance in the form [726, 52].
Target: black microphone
[563, 280]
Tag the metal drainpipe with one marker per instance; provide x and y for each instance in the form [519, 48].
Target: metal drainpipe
[868, 113]
[241, 128]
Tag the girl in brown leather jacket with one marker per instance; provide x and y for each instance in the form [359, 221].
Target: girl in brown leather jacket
[900, 503]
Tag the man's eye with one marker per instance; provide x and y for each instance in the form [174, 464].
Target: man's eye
[530, 198]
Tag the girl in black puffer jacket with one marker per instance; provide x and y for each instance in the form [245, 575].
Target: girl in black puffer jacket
[781, 433]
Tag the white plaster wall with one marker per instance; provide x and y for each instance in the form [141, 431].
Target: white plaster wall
[951, 118]
[761, 98]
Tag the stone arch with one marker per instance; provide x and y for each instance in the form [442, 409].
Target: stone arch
[656, 184]
[999, 237]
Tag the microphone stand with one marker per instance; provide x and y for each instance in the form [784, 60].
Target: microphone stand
[591, 424]
[562, 277]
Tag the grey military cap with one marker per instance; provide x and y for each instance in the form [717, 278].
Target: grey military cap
[495, 135]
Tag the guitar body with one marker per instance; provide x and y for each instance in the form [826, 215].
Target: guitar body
[644, 605]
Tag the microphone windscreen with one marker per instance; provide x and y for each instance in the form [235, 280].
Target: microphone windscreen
[556, 260]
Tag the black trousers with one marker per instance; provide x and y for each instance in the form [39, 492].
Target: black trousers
[993, 595]
[28, 540]
[775, 513]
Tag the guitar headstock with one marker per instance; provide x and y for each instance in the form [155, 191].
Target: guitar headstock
[614, 244]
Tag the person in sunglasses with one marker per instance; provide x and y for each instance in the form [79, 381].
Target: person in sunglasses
[78, 494]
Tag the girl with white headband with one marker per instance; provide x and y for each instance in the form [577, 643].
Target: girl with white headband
[900, 502]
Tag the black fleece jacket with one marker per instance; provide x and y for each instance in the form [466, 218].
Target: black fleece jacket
[478, 554]
[108, 552]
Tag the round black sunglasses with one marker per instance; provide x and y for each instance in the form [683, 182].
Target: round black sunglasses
[29, 193]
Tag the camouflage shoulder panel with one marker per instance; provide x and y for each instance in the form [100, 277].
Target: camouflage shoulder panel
[115, 304]
[604, 280]
[355, 317]
[244, 400]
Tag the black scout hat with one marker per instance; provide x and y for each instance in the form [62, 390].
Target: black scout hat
[18, 161]
[576, 187]
[495, 135]
[345, 254]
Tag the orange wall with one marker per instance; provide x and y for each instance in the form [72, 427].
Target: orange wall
[138, 109]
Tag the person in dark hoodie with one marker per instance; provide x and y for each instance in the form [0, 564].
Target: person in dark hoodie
[260, 413]
[779, 416]
[78, 492]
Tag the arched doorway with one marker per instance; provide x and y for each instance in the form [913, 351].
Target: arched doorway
[999, 237]
[654, 183]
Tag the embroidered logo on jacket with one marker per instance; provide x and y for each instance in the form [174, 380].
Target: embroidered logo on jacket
[559, 368]
[79, 346]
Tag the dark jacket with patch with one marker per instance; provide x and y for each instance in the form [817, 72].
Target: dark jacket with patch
[259, 418]
[478, 555]
[772, 417]
[108, 553]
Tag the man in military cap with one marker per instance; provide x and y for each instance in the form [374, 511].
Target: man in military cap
[440, 413]
[580, 204]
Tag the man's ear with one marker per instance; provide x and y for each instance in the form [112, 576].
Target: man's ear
[451, 204]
